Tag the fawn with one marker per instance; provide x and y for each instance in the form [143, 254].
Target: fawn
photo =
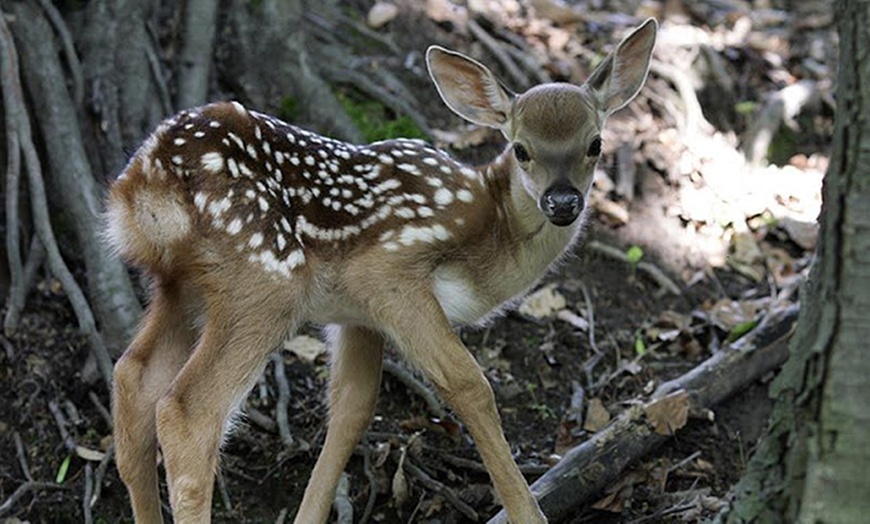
[250, 227]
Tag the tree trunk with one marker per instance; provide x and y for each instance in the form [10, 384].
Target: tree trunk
[813, 464]
[70, 177]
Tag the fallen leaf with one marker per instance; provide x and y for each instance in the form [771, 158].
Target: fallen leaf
[620, 491]
[597, 416]
[669, 413]
[804, 234]
[92, 455]
[305, 347]
[381, 14]
[445, 11]
[400, 483]
[566, 315]
[542, 303]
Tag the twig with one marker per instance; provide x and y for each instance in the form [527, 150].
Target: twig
[24, 489]
[282, 516]
[441, 489]
[61, 422]
[101, 474]
[478, 467]
[342, 504]
[17, 119]
[664, 282]
[95, 400]
[283, 401]
[89, 492]
[496, 49]
[22, 456]
[372, 479]
[69, 50]
[224, 492]
[261, 419]
[408, 379]
[685, 461]
[7, 347]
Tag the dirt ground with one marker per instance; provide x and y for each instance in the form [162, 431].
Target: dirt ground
[557, 378]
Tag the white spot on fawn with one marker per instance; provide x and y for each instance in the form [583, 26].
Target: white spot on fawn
[234, 227]
[443, 196]
[212, 161]
[464, 195]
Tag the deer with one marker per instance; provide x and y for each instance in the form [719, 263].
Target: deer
[250, 227]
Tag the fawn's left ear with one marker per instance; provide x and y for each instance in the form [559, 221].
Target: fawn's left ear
[620, 76]
[469, 88]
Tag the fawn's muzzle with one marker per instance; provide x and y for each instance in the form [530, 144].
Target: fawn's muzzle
[562, 204]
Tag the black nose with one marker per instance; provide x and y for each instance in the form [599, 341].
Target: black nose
[562, 204]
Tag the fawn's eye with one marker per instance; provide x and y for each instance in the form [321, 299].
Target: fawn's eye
[594, 147]
[521, 153]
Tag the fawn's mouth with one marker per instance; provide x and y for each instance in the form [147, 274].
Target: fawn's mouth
[562, 204]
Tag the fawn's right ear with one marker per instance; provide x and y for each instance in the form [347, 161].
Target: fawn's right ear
[469, 88]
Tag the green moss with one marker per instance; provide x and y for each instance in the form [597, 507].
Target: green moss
[376, 122]
[782, 147]
[289, 109]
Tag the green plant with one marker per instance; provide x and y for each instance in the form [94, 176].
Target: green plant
[375, 121]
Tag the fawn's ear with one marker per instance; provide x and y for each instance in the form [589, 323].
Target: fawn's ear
[618, 78]
[469, 88]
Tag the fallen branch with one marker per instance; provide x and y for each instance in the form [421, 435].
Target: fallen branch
[408, 379]
[24, 489]
[593, 465]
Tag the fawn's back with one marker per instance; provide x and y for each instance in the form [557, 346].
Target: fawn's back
[221, 184]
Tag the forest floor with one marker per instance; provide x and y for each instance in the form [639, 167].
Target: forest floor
[602, 336]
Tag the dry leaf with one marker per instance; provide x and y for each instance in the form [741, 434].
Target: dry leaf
[574, 319]
[380, 454]
[596, 416]
[446, 11]
[620, 491]
[804, 234]
[746, 257]
[304, 347]
[400, 483]
[556, 11]
[89, 454]
[668, 414]
[542, 303]
[381, 14]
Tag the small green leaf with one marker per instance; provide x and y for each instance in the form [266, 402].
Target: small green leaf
[639, 345]
[741, 329]
[62, 470]
[634, 254]
[746, 107]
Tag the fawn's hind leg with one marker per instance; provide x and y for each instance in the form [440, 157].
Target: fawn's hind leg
[143, 375]
[242, 327]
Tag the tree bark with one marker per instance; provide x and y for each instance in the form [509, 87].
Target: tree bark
[70, 176]
[812, 466]
[195, 60]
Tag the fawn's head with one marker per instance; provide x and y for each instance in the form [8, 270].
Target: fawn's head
[553, 129]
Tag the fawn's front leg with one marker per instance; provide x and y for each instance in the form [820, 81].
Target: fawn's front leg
[355, 377]
[417, 323]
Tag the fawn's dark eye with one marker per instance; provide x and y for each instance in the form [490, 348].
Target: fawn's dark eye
[521, 153]
[594, 147]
